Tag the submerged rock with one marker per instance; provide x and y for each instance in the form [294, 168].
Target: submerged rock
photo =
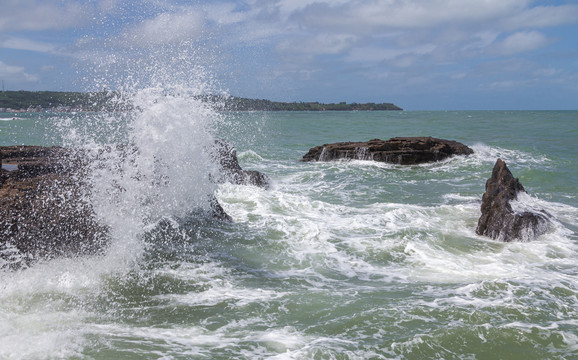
[232, 172]
[399, 150]
[499, 220]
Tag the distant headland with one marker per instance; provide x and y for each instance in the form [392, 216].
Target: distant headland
[56, 101]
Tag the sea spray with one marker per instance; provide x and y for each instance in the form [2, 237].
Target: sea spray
[150, 152]
[161, 167]
[143, 168]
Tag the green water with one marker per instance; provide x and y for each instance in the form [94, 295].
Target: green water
[343, 260]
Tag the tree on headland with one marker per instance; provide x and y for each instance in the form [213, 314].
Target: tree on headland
[63, 101]
[243, 104]
[115, 101]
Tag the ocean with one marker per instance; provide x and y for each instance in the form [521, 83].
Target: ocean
[337, 260]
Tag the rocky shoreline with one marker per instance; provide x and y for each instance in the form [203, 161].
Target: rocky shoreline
[45, 209]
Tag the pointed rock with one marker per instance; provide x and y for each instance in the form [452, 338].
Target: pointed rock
[499, 220]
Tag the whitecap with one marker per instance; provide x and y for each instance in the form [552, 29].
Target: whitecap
[484, 153]
[223, 291]
[249, 156]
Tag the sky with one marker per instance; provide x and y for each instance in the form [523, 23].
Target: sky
[417, 54]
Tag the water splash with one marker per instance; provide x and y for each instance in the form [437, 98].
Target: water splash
[163, 171]
[149, 155]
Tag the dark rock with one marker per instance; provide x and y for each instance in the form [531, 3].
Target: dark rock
[43, 208]
[231, 171]
[32, 161]
[217, 211]
[399, 150]
[499, 221]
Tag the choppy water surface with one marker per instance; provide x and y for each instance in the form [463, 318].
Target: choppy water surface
[342, 260]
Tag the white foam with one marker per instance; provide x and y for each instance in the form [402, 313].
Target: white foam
[249, 156]
[175, 341]
[195, 340]
[316, 235]
[557, 211]
[281, 340]
[527, 203]
[223, 291]
[40, 307]
[163, 171]
[438, 242]
[484, 153]
[485, 259]
[41, 333]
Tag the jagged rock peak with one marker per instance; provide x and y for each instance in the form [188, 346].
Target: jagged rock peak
[499, 220]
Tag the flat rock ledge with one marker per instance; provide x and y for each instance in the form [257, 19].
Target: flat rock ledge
[45, 210]
[499, 220]
[398, 150]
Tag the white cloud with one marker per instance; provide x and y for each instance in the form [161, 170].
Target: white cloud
[368, 30]
[320, 44]
[543, 16]
[166, 29]
[224, 13]
[546, 72]
[506, 85]
[17, 73]
[379, 54]
[522, 41]
[371, 15]
[373, 54]
[17, 43]
[458, 76]
[399, 39]
[36, 15]
[288, 7]
[407, 33]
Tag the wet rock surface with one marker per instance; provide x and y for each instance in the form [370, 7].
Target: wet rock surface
[44, 212]
[45, 209]
[232, 172]
[399, 150]
[499, 220]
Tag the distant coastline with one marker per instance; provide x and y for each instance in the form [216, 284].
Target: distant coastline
[55, 101]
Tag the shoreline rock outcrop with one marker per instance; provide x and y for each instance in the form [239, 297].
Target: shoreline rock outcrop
[398, 150]
[499, 220]
[44, 212]
[45, 209]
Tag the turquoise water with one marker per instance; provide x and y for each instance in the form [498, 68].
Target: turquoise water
[342, 260]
